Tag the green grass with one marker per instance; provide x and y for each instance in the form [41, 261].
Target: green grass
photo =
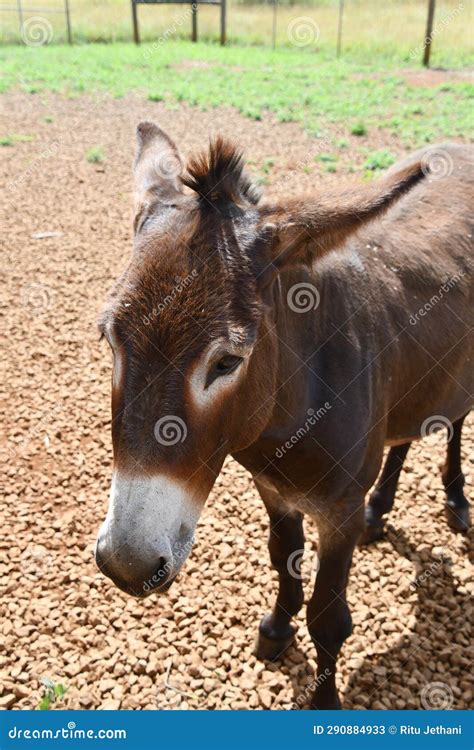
[53, 692]
[379, 160]
[11, 138]
[95, 155]
[297, 85]
[359, 129]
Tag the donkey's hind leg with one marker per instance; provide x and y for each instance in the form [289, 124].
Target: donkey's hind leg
[381, 499]
[457, 507]
[286, 545]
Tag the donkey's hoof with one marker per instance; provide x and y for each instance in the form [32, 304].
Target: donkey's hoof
[459, 518]
[372, 533]
[272, 643]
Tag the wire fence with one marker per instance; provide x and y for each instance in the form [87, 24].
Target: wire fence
[335, 26]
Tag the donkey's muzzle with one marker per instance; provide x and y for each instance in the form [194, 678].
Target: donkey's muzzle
[135, 577]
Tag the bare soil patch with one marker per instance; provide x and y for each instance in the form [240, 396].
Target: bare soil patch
[192, 648]
[425, 76]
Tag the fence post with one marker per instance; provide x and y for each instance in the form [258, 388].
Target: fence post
[223, 22]
[339, 27]
[68, 21]
[20, 14]
[429, 32]
[136, 33]
[274, 22]
[194, 9]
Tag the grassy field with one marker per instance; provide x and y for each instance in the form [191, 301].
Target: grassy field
[293, 84]
[393, 28]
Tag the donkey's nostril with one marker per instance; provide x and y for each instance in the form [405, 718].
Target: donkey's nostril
[161, 575]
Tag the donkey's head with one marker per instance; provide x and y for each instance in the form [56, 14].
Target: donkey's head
[190, 325]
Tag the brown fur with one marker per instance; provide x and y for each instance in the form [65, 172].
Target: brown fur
[399, 241]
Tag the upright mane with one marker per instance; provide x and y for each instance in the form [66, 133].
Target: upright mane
[218, 176]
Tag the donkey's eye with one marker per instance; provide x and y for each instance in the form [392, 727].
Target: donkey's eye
[227, 364]
[224, 366]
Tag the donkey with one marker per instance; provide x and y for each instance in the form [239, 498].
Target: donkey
[282, 334]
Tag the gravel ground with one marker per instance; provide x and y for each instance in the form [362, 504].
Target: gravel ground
[192, 648]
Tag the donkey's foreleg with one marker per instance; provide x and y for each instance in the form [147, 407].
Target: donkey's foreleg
[328, 616]
[457, 507]
[381, 499]
[286, 545]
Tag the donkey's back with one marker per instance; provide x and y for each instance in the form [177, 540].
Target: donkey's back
[410, 274]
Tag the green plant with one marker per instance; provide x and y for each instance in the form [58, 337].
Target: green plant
[155, 97]
[327, 157]
[359, 129]
[6, 140]
[52, 692]
[95, 155]
[379, 160]
[267, 165]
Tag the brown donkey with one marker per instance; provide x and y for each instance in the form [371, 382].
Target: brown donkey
[236, 329]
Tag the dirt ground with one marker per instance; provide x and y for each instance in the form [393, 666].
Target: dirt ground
[60, 618]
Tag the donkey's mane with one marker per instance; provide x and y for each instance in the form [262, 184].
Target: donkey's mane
[218, 176]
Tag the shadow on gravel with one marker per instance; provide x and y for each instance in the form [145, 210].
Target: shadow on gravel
[394, 679]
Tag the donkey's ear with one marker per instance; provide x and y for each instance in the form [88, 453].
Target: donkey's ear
[301, 230]
[158, 164]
